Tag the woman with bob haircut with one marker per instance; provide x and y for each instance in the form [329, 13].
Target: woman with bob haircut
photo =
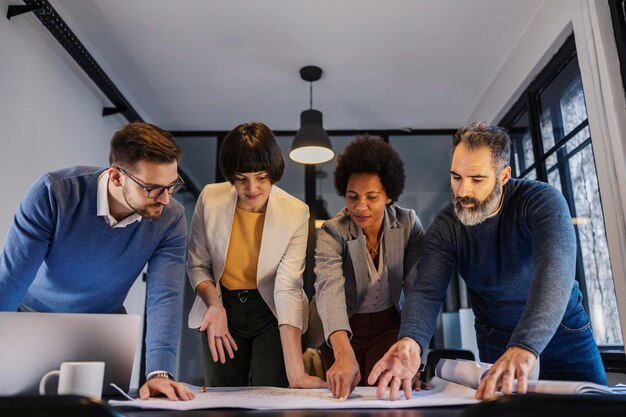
[364, 262]
[247, 252]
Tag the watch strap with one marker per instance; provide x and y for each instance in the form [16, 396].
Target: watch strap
[160, 374]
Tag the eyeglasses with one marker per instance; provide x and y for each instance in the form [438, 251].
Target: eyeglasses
[157, 190]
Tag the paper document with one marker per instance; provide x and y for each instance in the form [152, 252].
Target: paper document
[470, 373]
[442, 393]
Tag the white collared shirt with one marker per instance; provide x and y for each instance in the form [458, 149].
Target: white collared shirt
[103, 204]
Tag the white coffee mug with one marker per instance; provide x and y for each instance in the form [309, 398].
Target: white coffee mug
[77, 378]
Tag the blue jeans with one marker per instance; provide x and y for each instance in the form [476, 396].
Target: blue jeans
[571, 354]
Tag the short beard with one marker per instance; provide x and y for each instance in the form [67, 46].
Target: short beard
[471, 216]
[142, 212]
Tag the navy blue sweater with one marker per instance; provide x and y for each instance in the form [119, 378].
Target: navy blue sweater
[60, 256]
[519, 267]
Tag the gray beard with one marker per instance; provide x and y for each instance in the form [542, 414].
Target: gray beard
[481, 210]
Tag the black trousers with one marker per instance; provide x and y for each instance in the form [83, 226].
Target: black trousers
[259, 359]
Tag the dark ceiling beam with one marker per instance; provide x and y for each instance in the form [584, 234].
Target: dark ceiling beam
[70, 42]
[64, 35]
[16, 10]
[52, 21]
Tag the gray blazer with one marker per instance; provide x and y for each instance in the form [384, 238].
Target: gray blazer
[341, 265]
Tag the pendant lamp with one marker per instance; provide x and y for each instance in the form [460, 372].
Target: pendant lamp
[311, 145]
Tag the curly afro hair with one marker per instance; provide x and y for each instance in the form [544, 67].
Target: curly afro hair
[371, 156]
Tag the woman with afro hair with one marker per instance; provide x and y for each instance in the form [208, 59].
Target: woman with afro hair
[365, 261]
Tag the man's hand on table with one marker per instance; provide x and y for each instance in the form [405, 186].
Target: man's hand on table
[173, 390]
[396, 369]
[515, 363]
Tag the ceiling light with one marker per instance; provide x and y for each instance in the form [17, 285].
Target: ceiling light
[311, 145]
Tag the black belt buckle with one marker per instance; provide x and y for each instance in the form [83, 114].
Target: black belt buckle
[243, 296]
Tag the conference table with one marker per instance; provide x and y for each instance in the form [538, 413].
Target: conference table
[535, 405]
[398, 412]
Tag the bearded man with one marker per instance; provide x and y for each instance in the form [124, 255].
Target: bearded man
[513, 243]
[82, 235]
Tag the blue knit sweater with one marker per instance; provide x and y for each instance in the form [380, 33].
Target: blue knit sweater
[59, 256]
[519, 267]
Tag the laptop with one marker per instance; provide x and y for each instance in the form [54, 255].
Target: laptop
[32, 344]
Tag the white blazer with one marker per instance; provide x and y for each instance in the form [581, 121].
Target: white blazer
[281, 258]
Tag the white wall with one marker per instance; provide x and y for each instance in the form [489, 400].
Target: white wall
[544, 35]
[49, 117]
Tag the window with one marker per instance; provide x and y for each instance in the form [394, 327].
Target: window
[326, 195]
[427, 167]
[523, 158]
[551, 142]
[293, 177]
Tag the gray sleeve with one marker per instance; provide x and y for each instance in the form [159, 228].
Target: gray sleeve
[435, 264]
[554, 259]
[329, 284]
[411, 252]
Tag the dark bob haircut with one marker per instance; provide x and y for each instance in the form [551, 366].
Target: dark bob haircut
[140, 141]
[251, 147]
[371, 156]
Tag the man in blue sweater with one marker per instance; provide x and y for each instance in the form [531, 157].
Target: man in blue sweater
[82, 236]
[513, 243]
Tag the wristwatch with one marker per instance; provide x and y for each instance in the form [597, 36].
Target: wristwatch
[160, 374]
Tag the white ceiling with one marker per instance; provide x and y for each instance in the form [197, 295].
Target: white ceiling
[212, 64]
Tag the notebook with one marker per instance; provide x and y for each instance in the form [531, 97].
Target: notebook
[32, 344]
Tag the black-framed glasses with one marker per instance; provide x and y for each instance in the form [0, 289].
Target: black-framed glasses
[156, 191]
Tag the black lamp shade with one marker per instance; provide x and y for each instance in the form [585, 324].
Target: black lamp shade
[311, 145]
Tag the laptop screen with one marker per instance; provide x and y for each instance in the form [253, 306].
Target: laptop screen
[32, 344]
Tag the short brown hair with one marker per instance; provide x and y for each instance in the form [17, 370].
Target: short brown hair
[140, 141]
[479, 134]
[251, 147]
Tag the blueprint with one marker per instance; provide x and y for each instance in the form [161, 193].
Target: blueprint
[441, 393]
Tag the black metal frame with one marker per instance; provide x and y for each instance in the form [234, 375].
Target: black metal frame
[70, 42]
